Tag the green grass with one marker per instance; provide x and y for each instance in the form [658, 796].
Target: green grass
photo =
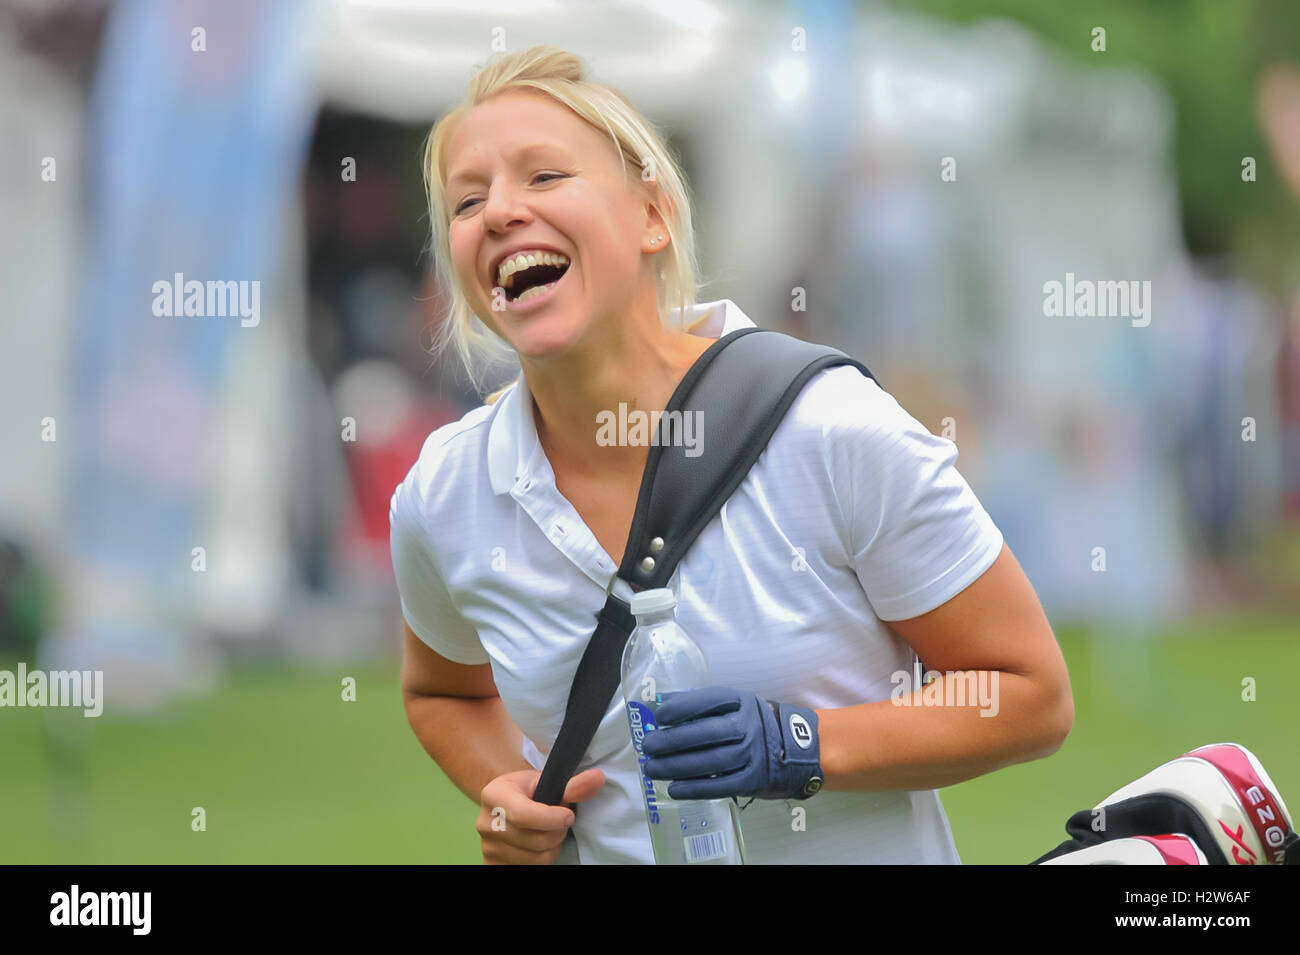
[288, 772]
[284, 769]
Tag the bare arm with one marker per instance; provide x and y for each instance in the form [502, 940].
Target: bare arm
[994, 627]
[458, 717]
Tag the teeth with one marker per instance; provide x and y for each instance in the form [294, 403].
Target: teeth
[535, 291]
[525, 260]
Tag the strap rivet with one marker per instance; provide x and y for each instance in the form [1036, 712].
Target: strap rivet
[657, 545]
[648, 564]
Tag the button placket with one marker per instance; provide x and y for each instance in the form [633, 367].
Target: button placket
[555, 518]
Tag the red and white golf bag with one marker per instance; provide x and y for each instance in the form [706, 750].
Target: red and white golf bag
[1213, 806]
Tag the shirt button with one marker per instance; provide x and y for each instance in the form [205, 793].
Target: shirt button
[528, 485]
[559, 530]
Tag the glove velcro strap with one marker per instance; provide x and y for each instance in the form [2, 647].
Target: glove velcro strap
[802, 748]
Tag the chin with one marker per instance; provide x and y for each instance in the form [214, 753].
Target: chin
[546, 338]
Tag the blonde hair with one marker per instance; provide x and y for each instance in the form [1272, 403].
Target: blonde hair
[561, 76]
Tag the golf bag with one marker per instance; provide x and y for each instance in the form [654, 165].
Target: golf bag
[1212, 806]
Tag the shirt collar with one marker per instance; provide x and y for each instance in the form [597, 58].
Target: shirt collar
[512, 439]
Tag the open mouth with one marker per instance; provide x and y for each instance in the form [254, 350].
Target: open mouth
[533, 283]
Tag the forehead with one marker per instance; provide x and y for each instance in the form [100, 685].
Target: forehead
[515, 126]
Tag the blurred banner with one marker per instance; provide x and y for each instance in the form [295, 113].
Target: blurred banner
[200, 122]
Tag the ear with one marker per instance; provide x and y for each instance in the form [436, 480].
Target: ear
[663, 210]
[659, 210]
[657, 235]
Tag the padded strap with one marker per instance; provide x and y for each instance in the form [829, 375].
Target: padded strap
[742, 387]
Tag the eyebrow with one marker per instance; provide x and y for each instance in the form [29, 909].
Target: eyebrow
[522, 152]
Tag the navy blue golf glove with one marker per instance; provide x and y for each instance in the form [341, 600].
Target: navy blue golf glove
[719, 741]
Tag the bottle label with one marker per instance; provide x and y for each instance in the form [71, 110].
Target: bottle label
[704, 827]
[642, 720]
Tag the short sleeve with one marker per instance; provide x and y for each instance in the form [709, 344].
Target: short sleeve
[917, 535]
[426, 603]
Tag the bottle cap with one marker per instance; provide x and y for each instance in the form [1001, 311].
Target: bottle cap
[653, 601]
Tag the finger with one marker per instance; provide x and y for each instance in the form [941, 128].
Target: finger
[501, 832]
[519, 809]
[686, 705]
[500, 853]
[707, 731]
[583, 786]
[701, 763]
[719, 788]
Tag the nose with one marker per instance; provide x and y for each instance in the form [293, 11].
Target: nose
[502, 207]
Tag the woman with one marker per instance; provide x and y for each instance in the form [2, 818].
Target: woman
[852, 543]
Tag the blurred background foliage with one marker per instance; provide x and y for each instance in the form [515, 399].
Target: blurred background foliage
[1209, 56]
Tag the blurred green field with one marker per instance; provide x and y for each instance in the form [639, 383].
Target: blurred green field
[288, 772]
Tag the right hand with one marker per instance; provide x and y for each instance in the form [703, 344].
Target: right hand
[515, 830]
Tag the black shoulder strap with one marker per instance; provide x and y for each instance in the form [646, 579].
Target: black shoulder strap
[743, 385]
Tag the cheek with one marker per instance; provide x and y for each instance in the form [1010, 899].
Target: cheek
[462, 263]
[608, 247]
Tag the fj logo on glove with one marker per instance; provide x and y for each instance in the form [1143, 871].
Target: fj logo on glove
[800, 730]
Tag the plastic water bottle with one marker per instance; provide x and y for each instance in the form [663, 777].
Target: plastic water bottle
[660, 657]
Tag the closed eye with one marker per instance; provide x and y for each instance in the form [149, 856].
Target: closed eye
[540, 175]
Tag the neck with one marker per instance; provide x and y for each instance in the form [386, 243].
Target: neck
[639, 364]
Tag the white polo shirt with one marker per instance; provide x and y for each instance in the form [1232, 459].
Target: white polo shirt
[854, 514]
